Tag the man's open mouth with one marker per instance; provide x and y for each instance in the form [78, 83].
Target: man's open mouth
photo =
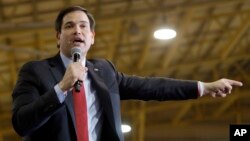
[78, 40]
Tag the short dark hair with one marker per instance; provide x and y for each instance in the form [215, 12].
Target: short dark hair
[60, 16]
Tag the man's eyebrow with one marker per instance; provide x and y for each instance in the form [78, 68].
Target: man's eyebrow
[71, 22]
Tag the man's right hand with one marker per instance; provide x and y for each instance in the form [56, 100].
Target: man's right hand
[75, 71]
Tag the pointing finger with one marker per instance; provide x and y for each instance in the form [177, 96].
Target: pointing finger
[234, 82]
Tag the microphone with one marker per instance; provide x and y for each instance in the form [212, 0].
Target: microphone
[76, 57]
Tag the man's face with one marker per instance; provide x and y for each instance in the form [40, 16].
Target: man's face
[75, 32]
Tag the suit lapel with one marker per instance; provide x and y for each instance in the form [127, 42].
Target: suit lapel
[57, 68]
[69, 104]
[101, 92]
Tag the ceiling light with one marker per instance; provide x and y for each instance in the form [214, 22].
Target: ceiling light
[126, 128]
[164, 33]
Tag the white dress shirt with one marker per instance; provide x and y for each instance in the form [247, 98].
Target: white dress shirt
[93, 104]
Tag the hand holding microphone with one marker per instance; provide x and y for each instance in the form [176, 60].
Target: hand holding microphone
[74, 72]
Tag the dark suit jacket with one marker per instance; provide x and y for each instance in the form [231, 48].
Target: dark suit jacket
[39, 116]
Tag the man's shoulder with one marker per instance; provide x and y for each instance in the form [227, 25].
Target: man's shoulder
[38, 63]
[99, 62]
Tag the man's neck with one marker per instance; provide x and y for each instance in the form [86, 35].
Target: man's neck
[67, 60]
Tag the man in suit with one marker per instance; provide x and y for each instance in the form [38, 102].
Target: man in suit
[42, 98]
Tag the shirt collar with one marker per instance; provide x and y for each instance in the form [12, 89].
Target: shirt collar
[67, 61]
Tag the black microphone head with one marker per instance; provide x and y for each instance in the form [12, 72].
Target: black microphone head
[76, 53]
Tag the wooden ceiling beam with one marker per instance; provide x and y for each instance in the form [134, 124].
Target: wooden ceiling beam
[14, 3]
[235, 38]
[133, 13]
[217, 16]
[209, 63]
[159, 132]
[182, 112]
[8, 29]
[182, 30]
[32, 51]
[12, 69]
[243, 73]
[4, 81]
[114, 46]
[225, 105]
[2, 14]
[144, 55]
[223, 31]
[172, 9]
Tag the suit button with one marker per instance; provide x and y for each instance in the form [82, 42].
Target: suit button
[51, 106]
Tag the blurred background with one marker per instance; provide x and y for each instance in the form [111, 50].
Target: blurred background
[212, 41]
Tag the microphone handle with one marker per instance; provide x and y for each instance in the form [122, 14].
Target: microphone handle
[78, 85]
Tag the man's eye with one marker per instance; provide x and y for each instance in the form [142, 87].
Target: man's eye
[83, 26]
[68, 26]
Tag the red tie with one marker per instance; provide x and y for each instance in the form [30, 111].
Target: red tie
[80, 108]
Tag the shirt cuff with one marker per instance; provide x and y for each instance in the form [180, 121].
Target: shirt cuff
[200, 88]
[60, 94]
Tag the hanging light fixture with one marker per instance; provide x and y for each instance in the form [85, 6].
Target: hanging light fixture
[164, 32]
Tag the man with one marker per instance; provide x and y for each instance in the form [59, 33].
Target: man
[43, 106]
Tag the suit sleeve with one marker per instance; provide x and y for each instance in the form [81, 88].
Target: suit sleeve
[31, 106]
[154, 88]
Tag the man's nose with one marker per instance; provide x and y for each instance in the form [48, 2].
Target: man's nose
[77, 30]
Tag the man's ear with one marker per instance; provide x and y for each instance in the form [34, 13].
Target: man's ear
[58, 38]
[58, 35]
[93, 37]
